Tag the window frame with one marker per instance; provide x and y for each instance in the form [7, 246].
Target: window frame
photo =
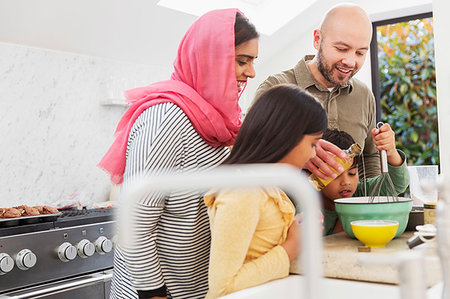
[374, 53]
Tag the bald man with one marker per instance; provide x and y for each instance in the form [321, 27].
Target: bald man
[342, 42]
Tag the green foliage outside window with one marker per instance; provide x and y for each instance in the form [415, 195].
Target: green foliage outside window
[408, 87]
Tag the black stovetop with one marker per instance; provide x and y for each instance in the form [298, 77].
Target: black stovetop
[67, 218]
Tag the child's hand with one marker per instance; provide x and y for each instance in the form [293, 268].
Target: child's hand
[384, 139]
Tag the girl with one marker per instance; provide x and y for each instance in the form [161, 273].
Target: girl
[253, 235]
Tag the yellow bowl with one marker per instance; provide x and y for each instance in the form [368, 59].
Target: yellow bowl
[374, 233]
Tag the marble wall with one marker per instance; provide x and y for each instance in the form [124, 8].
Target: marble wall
[54, 128]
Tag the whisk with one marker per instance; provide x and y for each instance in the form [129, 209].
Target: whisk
[384, 185]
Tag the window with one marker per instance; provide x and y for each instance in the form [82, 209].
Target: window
[404, 84]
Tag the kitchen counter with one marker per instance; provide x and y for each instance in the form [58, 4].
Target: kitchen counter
[340, 260]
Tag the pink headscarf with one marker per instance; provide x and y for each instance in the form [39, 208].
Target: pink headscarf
[203, 85]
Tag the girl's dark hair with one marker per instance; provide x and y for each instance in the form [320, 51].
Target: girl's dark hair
[275, 124]
[243, 30]
[341, 139]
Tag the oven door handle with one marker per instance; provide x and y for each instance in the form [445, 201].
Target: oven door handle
[63, 286]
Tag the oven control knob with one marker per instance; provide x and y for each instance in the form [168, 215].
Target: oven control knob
[85, 248]
[6, 263]
[103, 245]
[25, 259]
[67, 252]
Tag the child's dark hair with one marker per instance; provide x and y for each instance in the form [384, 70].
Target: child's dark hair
[275, 124]
[341, 139]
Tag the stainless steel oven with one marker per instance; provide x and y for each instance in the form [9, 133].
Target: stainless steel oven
[69, 257]
[94, 285]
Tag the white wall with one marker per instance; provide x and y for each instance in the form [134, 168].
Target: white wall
[442, 60]
[54, 130]
[283, 60]
[137, 31]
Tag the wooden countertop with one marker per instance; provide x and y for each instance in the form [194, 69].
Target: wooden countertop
[340, 260]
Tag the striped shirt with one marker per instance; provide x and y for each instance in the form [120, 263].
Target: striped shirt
[172, 230]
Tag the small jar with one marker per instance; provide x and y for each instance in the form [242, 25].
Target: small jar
[429, 213]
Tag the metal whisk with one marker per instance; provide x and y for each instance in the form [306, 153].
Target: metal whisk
[384, 185]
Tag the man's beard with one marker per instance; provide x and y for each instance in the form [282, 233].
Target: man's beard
[327, 71]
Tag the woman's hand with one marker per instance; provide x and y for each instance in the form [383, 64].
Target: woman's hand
[292, 245]
[384, 139]
[325, 151]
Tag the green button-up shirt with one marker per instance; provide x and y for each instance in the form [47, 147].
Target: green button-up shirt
[350, 108]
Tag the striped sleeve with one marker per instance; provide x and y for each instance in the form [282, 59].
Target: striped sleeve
[170, 231]
[153, 148]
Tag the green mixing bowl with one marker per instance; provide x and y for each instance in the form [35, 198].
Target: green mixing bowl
[382, 208]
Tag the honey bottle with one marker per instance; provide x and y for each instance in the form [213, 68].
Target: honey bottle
[352, 151]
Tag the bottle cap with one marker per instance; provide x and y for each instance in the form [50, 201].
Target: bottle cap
[356, 148]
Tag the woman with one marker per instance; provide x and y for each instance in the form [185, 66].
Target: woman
[186, 124]
[253, 235]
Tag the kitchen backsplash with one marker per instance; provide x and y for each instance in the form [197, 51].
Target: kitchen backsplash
[54, 128]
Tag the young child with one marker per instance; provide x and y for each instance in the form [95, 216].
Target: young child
[348, 184]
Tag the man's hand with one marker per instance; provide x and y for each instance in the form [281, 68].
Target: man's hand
[325, 151]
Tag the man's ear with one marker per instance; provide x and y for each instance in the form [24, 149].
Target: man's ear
[317, 38]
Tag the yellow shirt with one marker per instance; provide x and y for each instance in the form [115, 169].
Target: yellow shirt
[247, 228]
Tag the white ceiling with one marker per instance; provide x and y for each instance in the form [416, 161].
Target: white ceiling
[279, 12]
[142, 32]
